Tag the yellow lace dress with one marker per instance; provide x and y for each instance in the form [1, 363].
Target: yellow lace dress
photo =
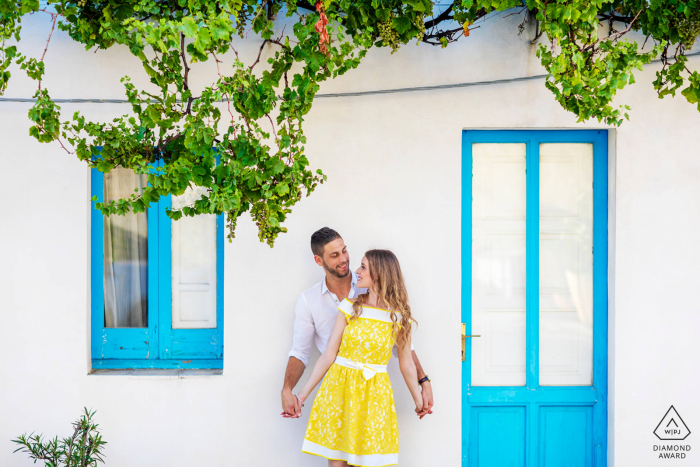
[353, 417]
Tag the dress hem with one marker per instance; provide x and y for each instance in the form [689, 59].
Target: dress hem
[357, 460]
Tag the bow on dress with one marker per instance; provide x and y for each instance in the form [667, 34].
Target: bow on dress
[367, 371]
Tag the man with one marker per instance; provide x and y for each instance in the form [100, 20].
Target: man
[316, 311]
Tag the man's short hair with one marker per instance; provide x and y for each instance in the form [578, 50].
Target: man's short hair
[320, 238]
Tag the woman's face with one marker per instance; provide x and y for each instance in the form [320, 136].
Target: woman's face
[364, 280]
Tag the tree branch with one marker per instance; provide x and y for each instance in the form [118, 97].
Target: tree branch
[62, 145]
[217, 61]
[447, 34]
[185, 83]
[252, 23]
[184, 61]
[273, 128]
[515, 13]
[281, 44]
[621, 19]
[306, 5]
[445, 15]
[54, 16]
[262, 46]
[629, 28]
[234, 51]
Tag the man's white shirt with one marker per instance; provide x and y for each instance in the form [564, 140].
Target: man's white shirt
[316, 311]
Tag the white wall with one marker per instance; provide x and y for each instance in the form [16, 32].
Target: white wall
[393, 166]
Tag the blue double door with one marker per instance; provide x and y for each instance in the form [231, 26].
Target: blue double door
[534, 298]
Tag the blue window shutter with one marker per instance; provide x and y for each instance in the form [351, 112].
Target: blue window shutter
[158, 346]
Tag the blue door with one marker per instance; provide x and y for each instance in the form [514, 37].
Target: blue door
[534, 298]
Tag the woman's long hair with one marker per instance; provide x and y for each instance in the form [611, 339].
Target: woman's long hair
[385, 271]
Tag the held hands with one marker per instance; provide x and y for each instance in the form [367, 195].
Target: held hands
[427, 393]
[291, 405]
[420, 406]
[419, 409]
[423, 408]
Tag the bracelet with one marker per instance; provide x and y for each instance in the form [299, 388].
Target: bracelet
[423, 380]
[299, 399]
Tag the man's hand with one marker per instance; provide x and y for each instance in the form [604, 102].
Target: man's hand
[290, 405]
[427, 392]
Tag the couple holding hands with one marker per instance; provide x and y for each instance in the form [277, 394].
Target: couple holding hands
[355, 319]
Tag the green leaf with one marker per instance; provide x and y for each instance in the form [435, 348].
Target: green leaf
[188, 26]
[417, 5]
[691, 94]
[282, 189]
[401, 24]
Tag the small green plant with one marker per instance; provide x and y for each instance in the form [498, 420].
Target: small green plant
[83, 449]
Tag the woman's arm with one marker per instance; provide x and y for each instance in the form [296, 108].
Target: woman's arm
[410, 375]
[326, 360]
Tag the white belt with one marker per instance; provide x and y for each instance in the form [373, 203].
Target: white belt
[368, 369]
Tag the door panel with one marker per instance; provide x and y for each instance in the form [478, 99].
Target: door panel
[534, 256]
[498, 357]
[566, 436]
[566, 264]
[509, 424]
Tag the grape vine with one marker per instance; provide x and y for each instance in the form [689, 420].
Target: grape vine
[250, 155]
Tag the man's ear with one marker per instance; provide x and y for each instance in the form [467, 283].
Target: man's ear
[318, 260]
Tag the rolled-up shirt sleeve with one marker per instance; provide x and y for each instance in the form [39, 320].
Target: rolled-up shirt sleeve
[304, 331]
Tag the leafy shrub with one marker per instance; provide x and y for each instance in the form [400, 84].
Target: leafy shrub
[83, 449]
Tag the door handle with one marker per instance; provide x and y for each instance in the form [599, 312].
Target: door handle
[464, 336]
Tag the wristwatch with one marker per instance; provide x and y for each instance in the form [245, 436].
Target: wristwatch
[423, 380]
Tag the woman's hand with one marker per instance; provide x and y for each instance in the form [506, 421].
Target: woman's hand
[422, 411]
[419, 409]
[427, 392]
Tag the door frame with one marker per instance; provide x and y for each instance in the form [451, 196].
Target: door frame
[532, 395]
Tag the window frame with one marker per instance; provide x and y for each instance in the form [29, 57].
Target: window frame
[158, 345]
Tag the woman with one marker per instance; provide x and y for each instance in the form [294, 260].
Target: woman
[353, 420]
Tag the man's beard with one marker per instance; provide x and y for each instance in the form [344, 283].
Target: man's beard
[335, 272]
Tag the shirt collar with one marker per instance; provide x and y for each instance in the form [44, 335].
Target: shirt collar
[324, 286]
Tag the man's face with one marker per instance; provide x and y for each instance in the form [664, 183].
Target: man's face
[336, 259]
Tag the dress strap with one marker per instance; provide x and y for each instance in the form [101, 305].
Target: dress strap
[346, 307]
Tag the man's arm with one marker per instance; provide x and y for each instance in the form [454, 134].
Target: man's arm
[427, 389]
[290, 404]
[304, 330]
[295, 368]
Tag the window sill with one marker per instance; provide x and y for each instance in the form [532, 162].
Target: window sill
[166, 364]
[161, 373]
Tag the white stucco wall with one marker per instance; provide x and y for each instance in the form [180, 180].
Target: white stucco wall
[393, 164]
